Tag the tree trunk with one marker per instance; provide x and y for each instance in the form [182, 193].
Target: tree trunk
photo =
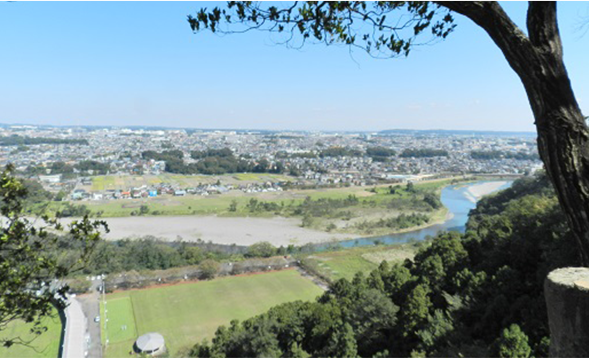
[563, 136]
[567, 301]
[563, 147]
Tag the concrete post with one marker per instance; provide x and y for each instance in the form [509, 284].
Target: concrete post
[567, 300]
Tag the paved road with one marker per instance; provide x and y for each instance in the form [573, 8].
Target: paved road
[74, 345]
[90, 304]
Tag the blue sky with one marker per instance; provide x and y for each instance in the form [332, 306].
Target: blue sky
[134, 63]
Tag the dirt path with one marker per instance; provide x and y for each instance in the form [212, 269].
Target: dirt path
[316, 280]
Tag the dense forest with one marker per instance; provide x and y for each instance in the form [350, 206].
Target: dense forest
[83, 168]
[380, 154]
[473, 294]
[149, 253]
[213, 162]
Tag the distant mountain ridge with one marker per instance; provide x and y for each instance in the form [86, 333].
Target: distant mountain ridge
[457, 132]
[271, 131]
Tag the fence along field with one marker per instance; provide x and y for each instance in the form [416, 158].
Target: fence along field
[187, 313]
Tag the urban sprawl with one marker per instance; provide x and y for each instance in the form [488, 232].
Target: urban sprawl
[68, 160]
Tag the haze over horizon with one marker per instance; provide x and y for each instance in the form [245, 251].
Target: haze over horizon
[100, 64]
[157, 127]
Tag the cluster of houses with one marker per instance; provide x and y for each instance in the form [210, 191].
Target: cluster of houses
[145, 191]
[120, 149]
[261, 187]
[160, 189]
[352, 177]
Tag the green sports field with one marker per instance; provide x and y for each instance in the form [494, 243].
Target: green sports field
[187, 313]
[45, 345]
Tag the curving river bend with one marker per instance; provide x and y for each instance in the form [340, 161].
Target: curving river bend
[456, 198]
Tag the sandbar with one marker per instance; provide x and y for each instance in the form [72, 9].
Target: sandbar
[220, 230]
[477, 191]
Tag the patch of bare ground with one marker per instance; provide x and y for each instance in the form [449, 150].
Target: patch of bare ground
[393, 255]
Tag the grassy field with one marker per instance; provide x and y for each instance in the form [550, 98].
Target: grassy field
[45, 345]
[121, 321]
[186, 314]
[345, 263]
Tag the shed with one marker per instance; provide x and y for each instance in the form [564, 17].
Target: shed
[150, 343]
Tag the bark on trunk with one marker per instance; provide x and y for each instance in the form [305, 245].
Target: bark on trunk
[562, 144]
[563, 136]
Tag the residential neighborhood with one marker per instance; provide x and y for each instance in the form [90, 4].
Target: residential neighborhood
[88, 163]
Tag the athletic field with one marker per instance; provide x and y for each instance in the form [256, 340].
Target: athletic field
[187, 313]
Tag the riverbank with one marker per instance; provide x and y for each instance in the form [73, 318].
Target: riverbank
[436, 218]
[279, 231]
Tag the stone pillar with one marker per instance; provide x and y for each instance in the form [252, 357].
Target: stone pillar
[567, 300]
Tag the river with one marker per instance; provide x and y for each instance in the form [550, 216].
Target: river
[456, 198]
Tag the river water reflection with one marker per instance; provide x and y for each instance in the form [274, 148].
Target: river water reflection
[454, 197]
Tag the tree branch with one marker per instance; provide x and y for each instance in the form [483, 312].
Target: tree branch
[331, 22]
[543, 27]
[510, 39]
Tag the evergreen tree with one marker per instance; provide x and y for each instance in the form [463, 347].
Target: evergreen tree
[513, 343]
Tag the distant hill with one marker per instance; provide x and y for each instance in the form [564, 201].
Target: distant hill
[456, 132]
[278, 131]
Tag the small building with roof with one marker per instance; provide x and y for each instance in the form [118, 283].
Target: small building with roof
[150, 343]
